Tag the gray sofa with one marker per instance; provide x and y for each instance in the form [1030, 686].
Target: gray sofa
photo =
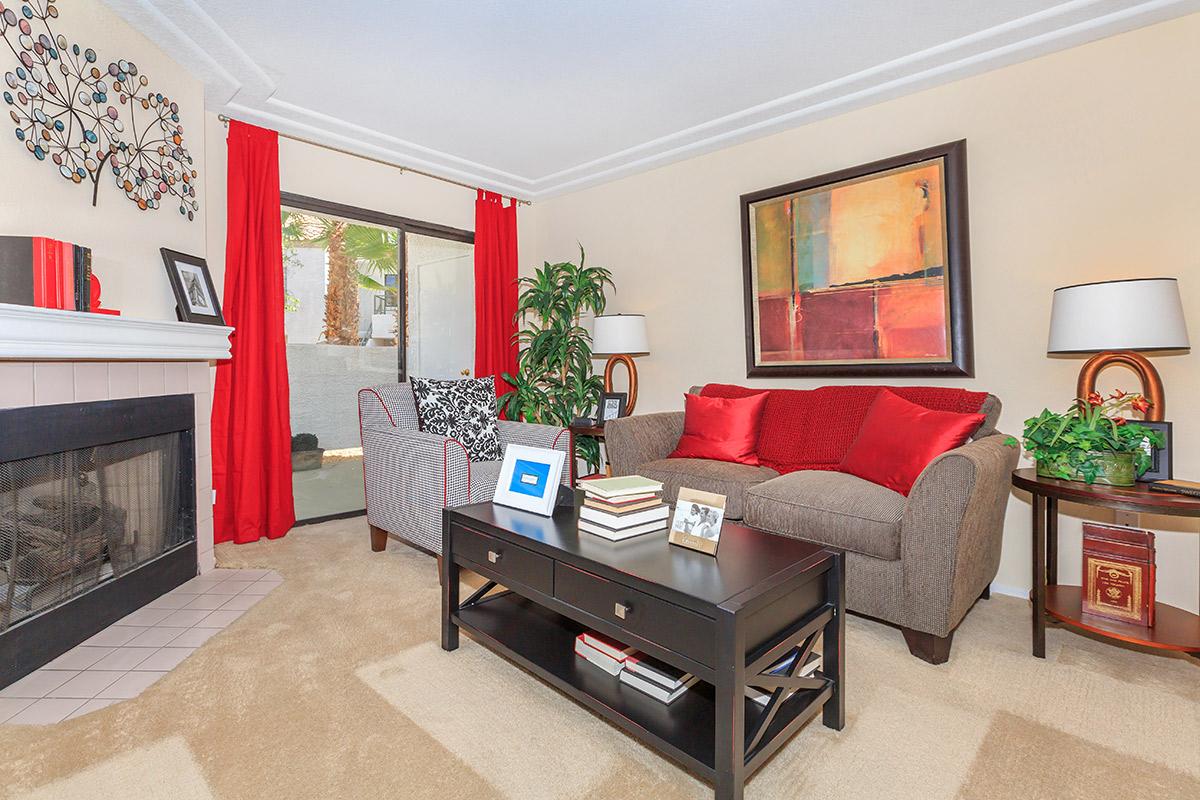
[919, 562]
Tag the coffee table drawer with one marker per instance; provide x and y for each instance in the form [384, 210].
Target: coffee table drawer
[505, 560]
[664, 623]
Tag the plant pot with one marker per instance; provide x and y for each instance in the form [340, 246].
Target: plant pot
[303, 460]
[1112, 469]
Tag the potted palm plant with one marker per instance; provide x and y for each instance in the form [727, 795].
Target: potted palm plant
[1092, 441]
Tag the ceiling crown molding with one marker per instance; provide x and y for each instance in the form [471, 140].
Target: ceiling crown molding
[237, 86]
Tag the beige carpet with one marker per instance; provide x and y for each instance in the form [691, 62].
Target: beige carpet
[335, 687]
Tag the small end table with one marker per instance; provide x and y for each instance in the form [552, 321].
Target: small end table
[585, 430]
[1174, 628]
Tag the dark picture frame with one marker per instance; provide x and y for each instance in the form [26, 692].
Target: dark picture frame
[1163, 467]
[196, 298]
[954, 275]
[607, 400]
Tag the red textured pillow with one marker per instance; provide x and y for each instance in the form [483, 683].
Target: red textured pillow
[721, 429]
[898, 439]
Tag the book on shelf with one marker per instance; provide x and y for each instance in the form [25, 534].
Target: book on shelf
[1189, 488]
[623, 487]
[594, 656]
[43, 272]
[606, 645]
[1118, 573]
[661, 673]
[655, 690]
[616, 535]
[808, 668]
[625, 520]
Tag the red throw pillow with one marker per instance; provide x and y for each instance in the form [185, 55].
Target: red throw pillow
[898, 439]
[721, 429]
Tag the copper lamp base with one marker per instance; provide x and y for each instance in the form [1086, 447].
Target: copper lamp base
[627, 360]
[1152, 386]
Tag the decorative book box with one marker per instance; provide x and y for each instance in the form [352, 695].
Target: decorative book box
[1118, 573]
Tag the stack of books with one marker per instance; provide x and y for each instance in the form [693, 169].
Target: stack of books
[651, 676]
[607, 654]
[810, 665]
[47, 273]
[618, 508]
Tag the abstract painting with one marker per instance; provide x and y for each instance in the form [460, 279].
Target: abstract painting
[861, 272]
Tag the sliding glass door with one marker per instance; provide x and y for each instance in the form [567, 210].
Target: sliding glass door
[369, 299]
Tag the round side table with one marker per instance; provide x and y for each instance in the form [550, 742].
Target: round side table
[1174, 628]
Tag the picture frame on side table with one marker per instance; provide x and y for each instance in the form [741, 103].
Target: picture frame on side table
[696, 523]
[529, 478]
[612, 405]
[196, 298]
[1162, 468]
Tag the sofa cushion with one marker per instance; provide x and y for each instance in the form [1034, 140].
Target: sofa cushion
[461, 409]
[721, 428]
[722, 477]
[817, 426]
[829, 508]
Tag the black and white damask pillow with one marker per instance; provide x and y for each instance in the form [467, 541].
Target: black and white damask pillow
[464, 410]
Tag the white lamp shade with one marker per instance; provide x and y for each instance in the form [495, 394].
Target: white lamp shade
[617, 334]
[1136, 314]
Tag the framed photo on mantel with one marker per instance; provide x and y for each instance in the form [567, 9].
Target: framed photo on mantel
[862, 272]
[195, 296]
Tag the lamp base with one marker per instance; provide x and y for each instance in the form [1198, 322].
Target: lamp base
[1152, 385]
[627, 360]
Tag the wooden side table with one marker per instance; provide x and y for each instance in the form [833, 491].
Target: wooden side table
[1174, 628]
[584, 430]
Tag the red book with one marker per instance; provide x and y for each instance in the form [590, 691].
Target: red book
[1118, 573]
[43, 292]
[66, 276]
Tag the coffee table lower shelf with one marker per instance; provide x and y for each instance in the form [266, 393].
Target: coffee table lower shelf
[542, 641]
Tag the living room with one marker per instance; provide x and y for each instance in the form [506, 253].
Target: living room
[275, 565]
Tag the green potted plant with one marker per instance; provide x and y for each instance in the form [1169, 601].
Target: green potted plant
[554, 383]
[306, 452]
[1092, 441]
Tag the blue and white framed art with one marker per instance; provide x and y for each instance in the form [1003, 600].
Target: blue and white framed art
[529, 478]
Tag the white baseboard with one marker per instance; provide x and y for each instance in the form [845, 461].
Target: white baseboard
[1011, 591]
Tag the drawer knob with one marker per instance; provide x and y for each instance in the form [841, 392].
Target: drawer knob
[493, 556]
[620, 609]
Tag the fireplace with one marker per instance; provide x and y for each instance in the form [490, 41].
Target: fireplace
[97, 518]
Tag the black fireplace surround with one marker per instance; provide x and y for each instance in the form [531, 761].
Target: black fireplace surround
[97, 519]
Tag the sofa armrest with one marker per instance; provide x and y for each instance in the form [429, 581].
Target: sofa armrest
[633, 441]
[952, 532]
[426, 467]
[549, 436]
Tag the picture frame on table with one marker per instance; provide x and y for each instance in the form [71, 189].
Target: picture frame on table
[529, 478]
[612, 406]
[1162, 468]
[196, 298]
[697, 520]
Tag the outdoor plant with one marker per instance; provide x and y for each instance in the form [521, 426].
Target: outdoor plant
[1079, 443]
[304, 441]
[554, 383]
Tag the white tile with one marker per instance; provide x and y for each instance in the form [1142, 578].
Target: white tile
[175, 378]
[16, 385]
[115, 636]
[79, 657]
[260, 587]
[184, 618]
[198, 585]
[145, 617]
[131, 684]
[204, 536]
[53, 383]
[155, 637]
[150, 379]
[219, 619]
[122, 380]
[230, 587]
[86, 685]
[11, 705]
[241, 602]
[94, 704]
[173, 601]
[204, 471]
[194, 637]
[203, 408]
[206, 560]
[209, 602]
[46, 712]
[251, 574]
[124, 659]
[199, 377]
[204, 439]
[91, 381]
[166, 659]
[37, 683]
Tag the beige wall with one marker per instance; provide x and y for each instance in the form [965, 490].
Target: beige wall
[35, 200]
[1082, 166]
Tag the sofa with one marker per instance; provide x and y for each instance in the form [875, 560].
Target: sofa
[919, 562]
[411, 474]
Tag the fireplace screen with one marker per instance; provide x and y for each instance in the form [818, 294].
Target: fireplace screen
[72, 520]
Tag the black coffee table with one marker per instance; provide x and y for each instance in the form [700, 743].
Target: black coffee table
[724, 619]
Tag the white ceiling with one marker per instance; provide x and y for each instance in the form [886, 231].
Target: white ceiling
[538, 97]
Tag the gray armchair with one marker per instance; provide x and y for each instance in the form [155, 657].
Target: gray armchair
[412, 475]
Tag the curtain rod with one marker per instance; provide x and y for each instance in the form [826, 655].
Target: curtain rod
[225, 121]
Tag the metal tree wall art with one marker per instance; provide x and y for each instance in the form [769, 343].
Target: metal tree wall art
[88, 120]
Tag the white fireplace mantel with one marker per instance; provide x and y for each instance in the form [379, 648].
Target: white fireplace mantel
[43, 334]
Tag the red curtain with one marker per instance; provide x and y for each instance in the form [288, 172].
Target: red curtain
[495, 288]
[251, 429]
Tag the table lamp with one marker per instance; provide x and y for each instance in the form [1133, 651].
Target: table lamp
[621, 337]
[1114, 319]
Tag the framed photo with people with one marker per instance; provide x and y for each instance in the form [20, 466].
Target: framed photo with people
[697, 521]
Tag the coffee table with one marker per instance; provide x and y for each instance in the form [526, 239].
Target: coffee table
[725, 619]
